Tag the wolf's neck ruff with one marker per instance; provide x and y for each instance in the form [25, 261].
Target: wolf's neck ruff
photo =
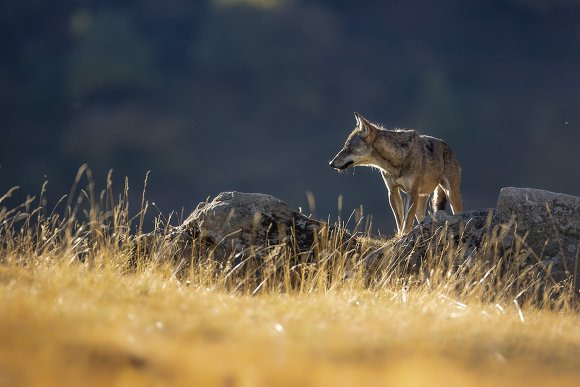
[394, 147]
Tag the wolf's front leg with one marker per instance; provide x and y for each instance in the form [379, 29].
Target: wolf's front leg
[421, 208]
[397, 206]
[410, 215]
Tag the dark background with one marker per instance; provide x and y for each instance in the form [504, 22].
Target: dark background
[258, 95]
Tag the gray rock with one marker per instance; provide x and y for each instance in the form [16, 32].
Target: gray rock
[547, 223]
[461, 234]
[236, 222]
[530, 230]
[533, 229]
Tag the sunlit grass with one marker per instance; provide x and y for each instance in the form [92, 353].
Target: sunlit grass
[87, 300]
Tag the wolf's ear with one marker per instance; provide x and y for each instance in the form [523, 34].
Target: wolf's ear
[358, 119]
[363, 125]
[364, 130]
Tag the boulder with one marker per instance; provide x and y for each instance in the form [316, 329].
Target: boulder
[548, 223]
[530, 230]
[461, 235]
[236, 222]
[530, 227]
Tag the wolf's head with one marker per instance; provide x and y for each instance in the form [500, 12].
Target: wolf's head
[358, 148]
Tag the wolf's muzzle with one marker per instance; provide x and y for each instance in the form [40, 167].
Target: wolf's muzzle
[341, 167]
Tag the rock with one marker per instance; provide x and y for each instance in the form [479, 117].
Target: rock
[463, 232]
[533, 229]
[236, 222]
[547, 222]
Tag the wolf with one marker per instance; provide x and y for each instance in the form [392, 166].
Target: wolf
[415, 164]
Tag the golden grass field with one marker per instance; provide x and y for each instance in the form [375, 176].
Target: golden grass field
[77, 310]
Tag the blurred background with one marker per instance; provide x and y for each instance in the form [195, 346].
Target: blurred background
[258, 95]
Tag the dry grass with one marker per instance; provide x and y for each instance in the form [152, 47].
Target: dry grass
[83, 304]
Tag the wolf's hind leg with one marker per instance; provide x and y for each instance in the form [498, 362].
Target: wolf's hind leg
[439, 199]
[455, 200]
[453, 192]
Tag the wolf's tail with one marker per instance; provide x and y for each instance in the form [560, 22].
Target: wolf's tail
[439, 199]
